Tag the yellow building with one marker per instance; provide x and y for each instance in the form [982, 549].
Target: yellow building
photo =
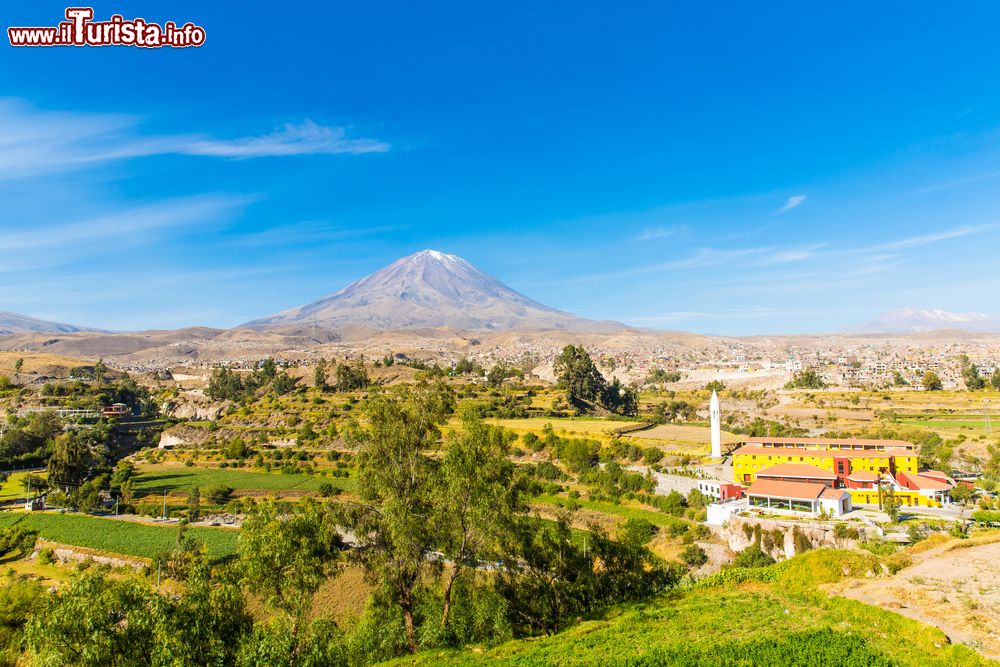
[858, 466]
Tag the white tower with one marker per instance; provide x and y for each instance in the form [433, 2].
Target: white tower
[716, 418]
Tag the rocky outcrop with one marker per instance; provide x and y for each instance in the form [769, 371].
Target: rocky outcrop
[778, 537]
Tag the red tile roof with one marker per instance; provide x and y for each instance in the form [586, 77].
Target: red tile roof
[863, 476]
[921, 482]
[833, 494]
[773, 488]
[802, 470]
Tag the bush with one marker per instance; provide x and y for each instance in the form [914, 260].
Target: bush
[218, 494]
[46, 556]
[694, 556]
[17, 540]
[327, 490]
[752, 556]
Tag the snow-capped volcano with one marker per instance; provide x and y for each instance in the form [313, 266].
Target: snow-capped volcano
[429, 289]
[911, 320]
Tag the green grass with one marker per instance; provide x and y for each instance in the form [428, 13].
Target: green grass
[736, 625]
[128, 538]
[12, 488]
[157, 478]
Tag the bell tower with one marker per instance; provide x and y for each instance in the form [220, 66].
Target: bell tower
[716, 418]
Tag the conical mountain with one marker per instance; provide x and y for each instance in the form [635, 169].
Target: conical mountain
[430, 289]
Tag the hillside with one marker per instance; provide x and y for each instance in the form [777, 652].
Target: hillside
[13, 323]
[778, 617]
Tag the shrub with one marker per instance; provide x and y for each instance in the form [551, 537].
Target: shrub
[218, 494]
[694, 556]
[752, 556]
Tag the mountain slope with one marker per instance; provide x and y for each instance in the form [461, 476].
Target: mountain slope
[12, 323]
[426, 290]
[911, 320]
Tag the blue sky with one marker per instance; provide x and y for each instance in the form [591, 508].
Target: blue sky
[725, 169]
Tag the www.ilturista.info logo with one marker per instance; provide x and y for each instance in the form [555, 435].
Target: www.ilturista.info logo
[81, 30]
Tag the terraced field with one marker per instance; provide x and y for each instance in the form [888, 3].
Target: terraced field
[157, 478]
[128, 538]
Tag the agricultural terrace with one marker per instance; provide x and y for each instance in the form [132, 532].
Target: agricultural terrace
[115, 536]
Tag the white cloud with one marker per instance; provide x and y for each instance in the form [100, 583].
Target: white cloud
[793, 201]
[310, 232]
[40, 247]
[302, 139]
[925, 239]
[34, 142]
[654, 233]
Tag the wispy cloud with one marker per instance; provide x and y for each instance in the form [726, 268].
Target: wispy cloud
[946, 185]
[654, 233]
[34, 142]
[129, 227]
[793, 201]
[934, 237]
[789, 255]
[302, 139]
[310, 232]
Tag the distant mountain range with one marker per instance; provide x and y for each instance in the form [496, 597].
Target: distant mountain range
[911, 320]
[12, 323]
[430, 289]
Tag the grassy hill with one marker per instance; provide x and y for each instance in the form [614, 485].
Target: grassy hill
[787, 621]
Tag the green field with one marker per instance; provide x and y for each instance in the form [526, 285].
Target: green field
[12, 489]
[158, 478]
[128, 538]
[733, 626]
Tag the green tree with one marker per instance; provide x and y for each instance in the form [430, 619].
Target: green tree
[931, 381]
[891, 504]
[100, 369]
[194, 504]
[285, 553]
[395, 519]
[476, 500]
[70, 462]
[501, 372]
[970, 374]
[578, 376]
[961, 494]
[715, 385]
[283, 383]
[320, 375]
[124, 471]
[806, 379]
[127, 491]
[353, 377]
[18, 365]
[95, 622]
